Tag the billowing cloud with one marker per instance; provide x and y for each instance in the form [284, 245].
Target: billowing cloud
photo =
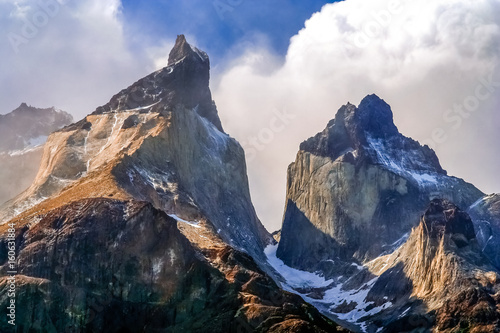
[435, 62]
[71, 54]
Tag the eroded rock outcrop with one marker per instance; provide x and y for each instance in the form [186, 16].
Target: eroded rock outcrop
[439, 274]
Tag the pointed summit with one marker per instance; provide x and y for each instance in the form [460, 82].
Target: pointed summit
[184, 82]
[375, 116]
[368, 132]
[183, 49]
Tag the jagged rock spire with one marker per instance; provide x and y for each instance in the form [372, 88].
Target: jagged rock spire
[184, 82]
[183, 49]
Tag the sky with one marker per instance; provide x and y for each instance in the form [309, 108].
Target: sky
[280, 70]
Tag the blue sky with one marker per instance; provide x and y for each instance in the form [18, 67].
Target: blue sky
[221, 24]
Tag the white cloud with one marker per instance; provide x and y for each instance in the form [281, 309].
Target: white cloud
[421, 57]
[71, 54]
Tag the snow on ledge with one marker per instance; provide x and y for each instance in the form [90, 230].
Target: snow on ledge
[178, 219]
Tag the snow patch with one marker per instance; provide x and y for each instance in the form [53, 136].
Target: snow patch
[191, 223]
[218, 139]
[424, 178]
[404, 164]
[202, 55]
[23, 151]
[294, 278]
[160, 180]
[334, 293]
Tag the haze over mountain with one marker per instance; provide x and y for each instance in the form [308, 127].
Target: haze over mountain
[23, 133]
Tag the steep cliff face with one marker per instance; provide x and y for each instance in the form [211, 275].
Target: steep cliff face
[354, 195]
[486, 215]
[23, 133]
[140, 220]
[441, 274]
[123, 266]
[348, 183]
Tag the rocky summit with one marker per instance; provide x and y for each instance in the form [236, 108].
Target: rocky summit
[140, 220]
[352, 234]
[348, 185]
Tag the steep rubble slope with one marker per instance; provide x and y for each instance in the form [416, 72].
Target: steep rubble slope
[22, 135]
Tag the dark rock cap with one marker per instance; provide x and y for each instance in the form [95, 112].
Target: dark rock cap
[183, 49]
[185, 81]
[376, 117]
[442, 217]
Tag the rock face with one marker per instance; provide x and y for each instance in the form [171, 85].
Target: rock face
[348, 184]
[22, 135]
[183, 82]
[354, 196]
[486, 215]
[140, 220]
[123, 266]
[440, 274]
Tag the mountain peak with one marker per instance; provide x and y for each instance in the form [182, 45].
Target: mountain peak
[183, 49]
[185, 81]
[376, 116]
[368, 131]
